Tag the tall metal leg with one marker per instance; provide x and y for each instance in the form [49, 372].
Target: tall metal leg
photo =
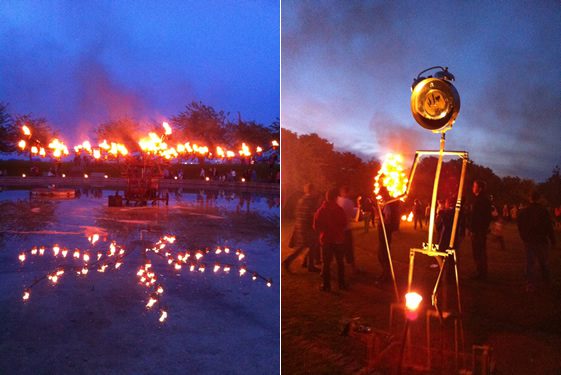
[388, 252]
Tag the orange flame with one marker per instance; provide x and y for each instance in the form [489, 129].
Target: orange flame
[392, 176]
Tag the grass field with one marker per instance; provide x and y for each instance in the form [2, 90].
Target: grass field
[524, 329]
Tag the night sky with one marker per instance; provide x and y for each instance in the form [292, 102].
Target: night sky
[347, 69]
[79, 63]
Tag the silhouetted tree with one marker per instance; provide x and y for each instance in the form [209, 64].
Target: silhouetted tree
[6, 142]
[126, 131]
[551, 188]
[201, 124]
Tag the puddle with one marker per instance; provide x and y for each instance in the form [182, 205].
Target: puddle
[214, 320]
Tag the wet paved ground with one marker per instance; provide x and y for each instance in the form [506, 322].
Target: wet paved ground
[98, 324]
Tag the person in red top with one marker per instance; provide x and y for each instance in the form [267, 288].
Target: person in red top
[330, 222]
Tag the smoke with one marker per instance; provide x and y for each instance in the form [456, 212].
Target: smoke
[364, 54]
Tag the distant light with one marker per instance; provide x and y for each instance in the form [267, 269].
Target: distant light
[86, 176]
[175, 178]
[106, 176]
[23, 175]
[243, 179]
[207, 178]
[63, 175]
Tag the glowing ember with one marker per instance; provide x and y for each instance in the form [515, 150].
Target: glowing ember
[392, 176]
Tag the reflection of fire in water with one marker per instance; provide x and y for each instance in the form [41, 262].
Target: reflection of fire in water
[147, 276]
[392, 176]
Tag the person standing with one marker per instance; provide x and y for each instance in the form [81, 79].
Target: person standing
[367, 209]
[480, 220]
[536, 230]
[348, 206]
[304, 236]
[330, 222]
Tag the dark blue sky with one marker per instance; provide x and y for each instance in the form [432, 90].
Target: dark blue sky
[347, 69]
[79, 63]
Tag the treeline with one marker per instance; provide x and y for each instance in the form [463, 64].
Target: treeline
[198, 123]
[310, 158]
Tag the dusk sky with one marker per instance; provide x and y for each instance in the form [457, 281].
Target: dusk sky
[79, 63]
[347, 69]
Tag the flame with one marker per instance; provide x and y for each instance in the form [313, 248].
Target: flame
[22, 257]
[93, 238]
[167, 128]
[26, 294]
[26, 130]
[392, 176]
[151, 302]
[274, 143]
[21, 144]
[58, 147]
[164, 316]
[244, 151]
[220, 152]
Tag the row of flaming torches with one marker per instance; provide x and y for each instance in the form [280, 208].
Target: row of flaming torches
[153, 144]
[114, 258]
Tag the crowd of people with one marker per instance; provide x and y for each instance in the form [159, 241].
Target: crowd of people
[323, 231]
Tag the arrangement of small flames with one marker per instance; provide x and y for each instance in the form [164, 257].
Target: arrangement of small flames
[152, 145]
[81, 262]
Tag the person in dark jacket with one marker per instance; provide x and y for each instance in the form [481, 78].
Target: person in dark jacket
[304, 236]
[480, 220]
[536, 230]
[330, 222]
